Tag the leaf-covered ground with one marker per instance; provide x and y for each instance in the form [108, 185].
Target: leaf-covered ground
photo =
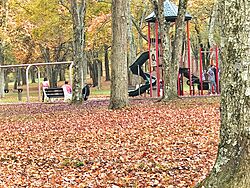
[148, 144]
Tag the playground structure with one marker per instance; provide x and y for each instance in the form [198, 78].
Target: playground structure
[136, 69]
[155, 76]
[26, 90]
[210, 57]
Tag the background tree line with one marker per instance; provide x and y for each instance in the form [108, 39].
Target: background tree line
[42, 31]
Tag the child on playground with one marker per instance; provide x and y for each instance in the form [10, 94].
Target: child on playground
[45, 85]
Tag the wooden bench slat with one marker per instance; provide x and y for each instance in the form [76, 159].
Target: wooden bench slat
[54, 92]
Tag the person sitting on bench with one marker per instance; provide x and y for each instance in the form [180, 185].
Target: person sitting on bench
[67, 89]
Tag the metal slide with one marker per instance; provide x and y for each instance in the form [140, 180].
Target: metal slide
[136, 68]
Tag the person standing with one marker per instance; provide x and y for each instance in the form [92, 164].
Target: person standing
[45, 85]
[211, 79]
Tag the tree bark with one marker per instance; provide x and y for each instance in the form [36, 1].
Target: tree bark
[172, 71]
[211, 40]
[106, 59]
[232, 167]
[33, 74]
[3, 26]
[119, 71]
[165, 42]
[78, 11]
[132, 47]
[99, 74]
[23, 75]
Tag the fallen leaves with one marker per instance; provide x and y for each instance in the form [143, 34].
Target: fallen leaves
[148, 144]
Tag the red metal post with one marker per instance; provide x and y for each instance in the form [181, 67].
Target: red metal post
[217, 69]
[179, 84]
[189, 58]
[201, 72]
[157, 58]
[149, 60]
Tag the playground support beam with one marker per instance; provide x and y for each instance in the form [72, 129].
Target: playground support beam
[157, 57]
[149, 60]
[189, 58]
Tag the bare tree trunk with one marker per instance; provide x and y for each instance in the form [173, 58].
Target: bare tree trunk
[23, 75]
[1, 83]
[212, 25]
[1, 70]
[33, 74]
[99, 74]
[46, 56]
[170, 84]
[3, 26]
[62, 73]
[119, 71]
[106, 59]
[78, 11]
[132, 47]
[232, 166]
[6, 79]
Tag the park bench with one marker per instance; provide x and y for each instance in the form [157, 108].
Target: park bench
[54, 93]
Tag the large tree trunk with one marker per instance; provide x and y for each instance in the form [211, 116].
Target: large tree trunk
[232, 167]
[119, 71]
[172, 72]
[78, 11]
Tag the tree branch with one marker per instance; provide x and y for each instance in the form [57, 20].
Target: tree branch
[139, 30]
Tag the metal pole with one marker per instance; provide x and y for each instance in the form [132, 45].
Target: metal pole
[179, 85]
[139, 79]
[189, 58]
[157, 58]
[149, 60]
[39, 84]
[27, 83]
[201, 72]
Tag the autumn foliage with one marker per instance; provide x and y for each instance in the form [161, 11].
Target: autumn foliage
[148, 144]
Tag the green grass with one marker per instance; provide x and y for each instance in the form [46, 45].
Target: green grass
[99, 92]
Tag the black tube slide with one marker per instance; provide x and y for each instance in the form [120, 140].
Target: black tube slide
[185, 72]
[136, 68]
